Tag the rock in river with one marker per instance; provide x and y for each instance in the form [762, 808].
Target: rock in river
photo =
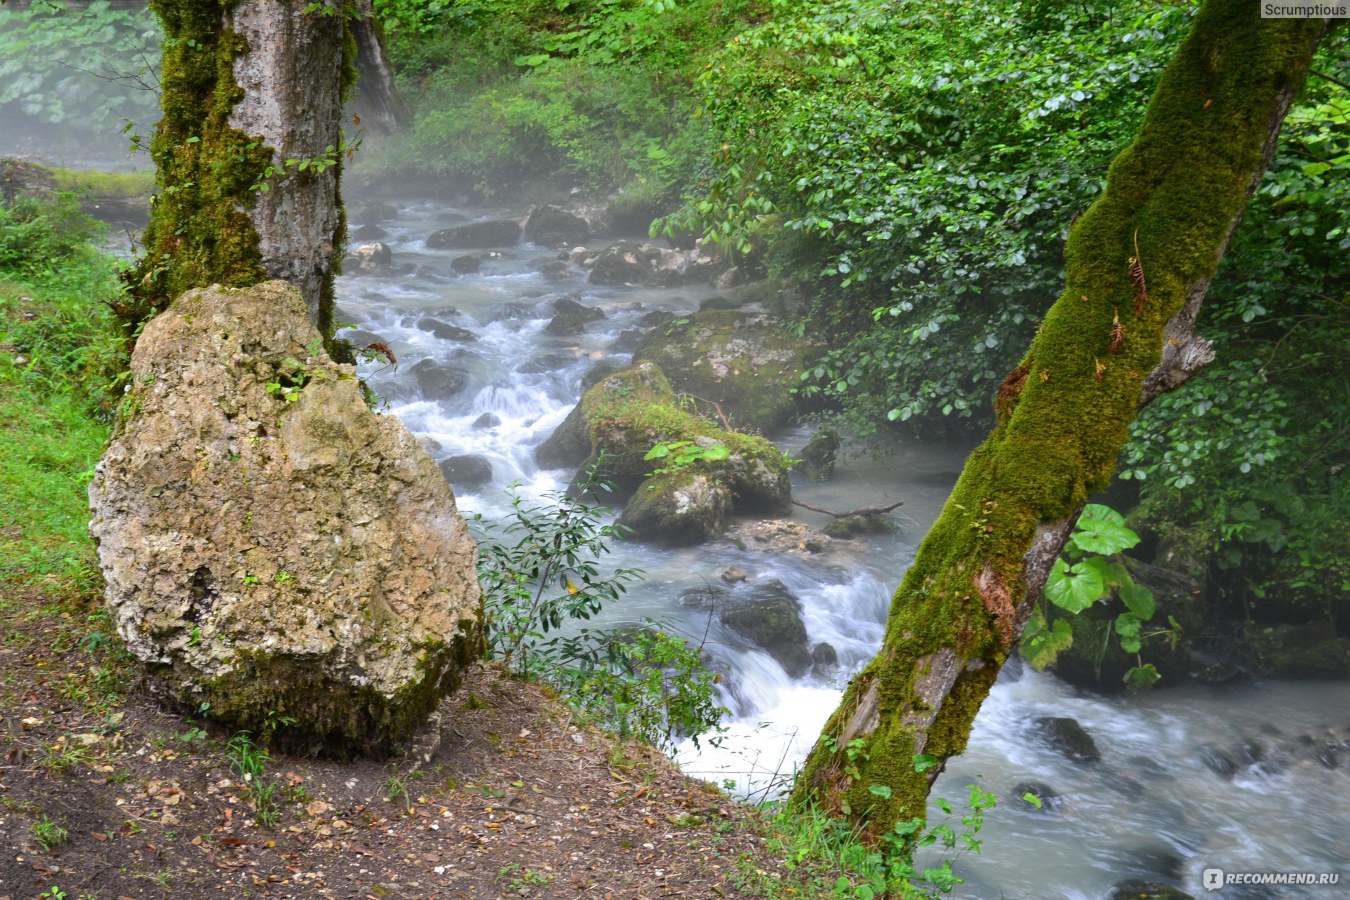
[477, 236]
[272, 547]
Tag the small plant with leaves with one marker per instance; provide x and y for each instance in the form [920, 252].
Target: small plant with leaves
[251, 761]
[48, 834]
[1090, 571]
[677, 456]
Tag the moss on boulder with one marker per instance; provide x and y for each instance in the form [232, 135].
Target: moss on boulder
[622, 417]
[741, 361]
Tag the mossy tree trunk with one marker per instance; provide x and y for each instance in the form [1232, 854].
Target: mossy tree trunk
[248, 152]
[1138, 264]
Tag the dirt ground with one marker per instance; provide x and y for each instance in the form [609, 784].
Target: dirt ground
[504, 796]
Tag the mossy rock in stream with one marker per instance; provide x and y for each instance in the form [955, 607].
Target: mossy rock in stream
[621, 418]
[770, 616]
[741, 361]
[1300, 651]
[679, 509]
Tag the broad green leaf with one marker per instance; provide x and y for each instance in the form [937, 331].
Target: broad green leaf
[1139, 600]
[1142, 677]
[1101, 513]
[923, 762]
[1041, 645]
[880, 790]
[1075, 588]
[1102, 536]
[1127, 625]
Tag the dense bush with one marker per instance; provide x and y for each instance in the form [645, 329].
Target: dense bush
[543, 580]
[593, 93]
[74, 74]
[918, 173]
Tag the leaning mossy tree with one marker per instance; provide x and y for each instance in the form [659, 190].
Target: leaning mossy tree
[249, 151]
[1138, 263]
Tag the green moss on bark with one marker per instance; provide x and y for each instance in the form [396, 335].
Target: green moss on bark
[199, 232]
[1171, 200]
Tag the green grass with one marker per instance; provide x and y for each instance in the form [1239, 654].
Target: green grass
[58, 353]
[106, 184]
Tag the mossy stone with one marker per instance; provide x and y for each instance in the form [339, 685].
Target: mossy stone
[740, 362]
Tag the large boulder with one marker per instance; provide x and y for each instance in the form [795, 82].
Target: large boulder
[741, 361]
[620, 419]
[625, 262]
[550, 226]
[477, 236]
[679, 509]
[631, 411]
[274, 551]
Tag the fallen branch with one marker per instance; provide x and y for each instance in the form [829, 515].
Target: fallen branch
[860, 511]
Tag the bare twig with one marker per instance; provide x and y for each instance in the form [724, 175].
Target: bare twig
[860, 511]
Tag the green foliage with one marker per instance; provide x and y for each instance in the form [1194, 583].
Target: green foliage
[920, 168]
[73, 72]
[541, 577]
[250, 761]
[1240, 467]
[48, 834]
[37, 236]
[679, 455]
[1089, 572]
[826, 857]
[59, 356]
[595, 92]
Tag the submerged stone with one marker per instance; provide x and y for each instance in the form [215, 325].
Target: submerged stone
[466, 471]
[769, 616]
[438, 381]
[445, 331]
[272, 548]
[1068, 737]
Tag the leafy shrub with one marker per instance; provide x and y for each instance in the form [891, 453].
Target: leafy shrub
[593, 93]
[74, 72]
[541, 577]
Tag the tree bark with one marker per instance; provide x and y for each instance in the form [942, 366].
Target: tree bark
[1138, 264]
[376, 100]
[248, 153]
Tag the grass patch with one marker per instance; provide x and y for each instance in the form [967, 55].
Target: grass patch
[59, 353]
[106, 184]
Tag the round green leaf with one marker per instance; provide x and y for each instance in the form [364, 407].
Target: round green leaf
[1102, 536]
[1075, 588]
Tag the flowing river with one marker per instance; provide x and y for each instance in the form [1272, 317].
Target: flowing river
[1247, 778]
